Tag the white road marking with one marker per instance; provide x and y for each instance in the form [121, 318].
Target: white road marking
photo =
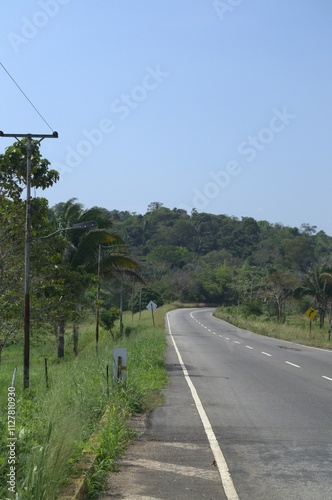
[209, 330]
[267, 354]
[174, 468]
[139, 497]
[226, 479]
[184, 446]
[292, 364]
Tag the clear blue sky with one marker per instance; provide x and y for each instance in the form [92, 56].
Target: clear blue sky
[222, 106]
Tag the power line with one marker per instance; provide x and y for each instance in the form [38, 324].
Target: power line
[27, 98]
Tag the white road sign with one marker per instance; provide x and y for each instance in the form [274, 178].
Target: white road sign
[151, 306]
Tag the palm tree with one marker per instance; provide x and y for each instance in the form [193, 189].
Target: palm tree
[318, 284]
[81, 255]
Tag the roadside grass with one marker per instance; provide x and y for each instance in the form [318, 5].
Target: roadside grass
[296, 328]
[53, 425]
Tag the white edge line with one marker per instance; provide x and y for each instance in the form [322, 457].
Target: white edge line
[226, 479]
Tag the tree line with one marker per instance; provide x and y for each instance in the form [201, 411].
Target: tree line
[129, 258]
[223, 260]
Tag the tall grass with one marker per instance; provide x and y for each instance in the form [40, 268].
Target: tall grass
[296, 327]
[53, 425]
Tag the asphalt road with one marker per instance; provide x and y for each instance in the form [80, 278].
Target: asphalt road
[245, 417]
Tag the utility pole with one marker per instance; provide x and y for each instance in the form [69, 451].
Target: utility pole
[121, 304]
[26, 351]
[98, 299]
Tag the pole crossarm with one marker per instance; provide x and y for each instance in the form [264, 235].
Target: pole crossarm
[55, 135]
[79, 225]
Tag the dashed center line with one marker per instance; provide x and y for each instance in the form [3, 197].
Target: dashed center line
[292, 364]
[251, 348]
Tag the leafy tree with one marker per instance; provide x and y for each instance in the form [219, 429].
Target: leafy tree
[216, 284]
[12, 230]
[144, 296]
[81, 256]
[279, 285]
[108, 318]
[173, 256]
[13, 165]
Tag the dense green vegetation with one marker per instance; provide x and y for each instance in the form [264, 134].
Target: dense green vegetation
[267, 269]
[54, 423]
[257, 271]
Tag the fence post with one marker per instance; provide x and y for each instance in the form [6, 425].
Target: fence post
[46, 373]
[107, 382]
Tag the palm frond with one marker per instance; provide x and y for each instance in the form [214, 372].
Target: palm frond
[87, 247]
[119, 273]
[118, 261]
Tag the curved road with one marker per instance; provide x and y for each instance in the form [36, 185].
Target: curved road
[269, 404]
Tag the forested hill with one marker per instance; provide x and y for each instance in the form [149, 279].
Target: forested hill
[218, 258]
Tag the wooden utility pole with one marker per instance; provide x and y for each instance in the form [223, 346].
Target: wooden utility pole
[26, 349]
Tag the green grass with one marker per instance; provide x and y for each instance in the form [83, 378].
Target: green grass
[296, 328]
[54, 425]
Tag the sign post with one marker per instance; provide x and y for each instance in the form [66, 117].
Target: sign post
[151, 307]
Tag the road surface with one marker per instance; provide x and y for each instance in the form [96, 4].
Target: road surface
[259, 410]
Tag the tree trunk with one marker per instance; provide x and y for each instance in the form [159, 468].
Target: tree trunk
[61, 338]
[279, 308]
[75, 337]
[321, 317]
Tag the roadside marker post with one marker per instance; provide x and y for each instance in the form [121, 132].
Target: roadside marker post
[120, 364]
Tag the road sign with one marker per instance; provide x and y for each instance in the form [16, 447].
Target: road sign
[311, 313]
[151, 306]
